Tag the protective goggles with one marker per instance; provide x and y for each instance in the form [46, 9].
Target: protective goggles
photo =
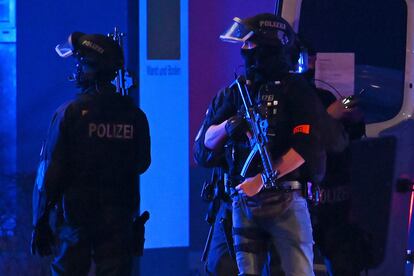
[237, 33]
[66, 49]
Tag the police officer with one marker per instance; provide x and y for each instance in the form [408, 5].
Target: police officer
[278, 217]
[219, 258]
[96, 146]
[345, 247]
[218, 253]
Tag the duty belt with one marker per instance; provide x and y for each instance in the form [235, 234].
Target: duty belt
[290, 185]
[286, 186]
[246, 203]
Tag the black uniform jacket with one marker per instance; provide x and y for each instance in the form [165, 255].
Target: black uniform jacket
[296, 119]
[95, 147]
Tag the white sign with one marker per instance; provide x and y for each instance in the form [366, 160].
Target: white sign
[335, 71]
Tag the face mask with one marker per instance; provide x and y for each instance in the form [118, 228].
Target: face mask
[83, 77]
[249, 58]
[86, 76]
[267, 63]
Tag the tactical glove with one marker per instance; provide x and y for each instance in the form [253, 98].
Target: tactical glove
[236, 127]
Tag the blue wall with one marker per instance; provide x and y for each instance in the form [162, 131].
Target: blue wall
[7, 139]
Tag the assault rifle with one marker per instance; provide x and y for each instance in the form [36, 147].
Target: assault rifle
[258, 128]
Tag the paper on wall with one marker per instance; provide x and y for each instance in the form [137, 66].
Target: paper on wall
[335, 70]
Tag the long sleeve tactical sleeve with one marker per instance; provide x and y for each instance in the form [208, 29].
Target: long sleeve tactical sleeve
[219, 110]
[53, 169]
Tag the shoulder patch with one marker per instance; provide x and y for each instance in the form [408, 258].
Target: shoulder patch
[305, 129]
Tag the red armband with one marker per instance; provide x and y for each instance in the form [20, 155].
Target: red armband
[305, 129]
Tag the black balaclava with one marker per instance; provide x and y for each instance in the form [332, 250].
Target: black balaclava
[83, 77]
[86, 76]
[266, 63]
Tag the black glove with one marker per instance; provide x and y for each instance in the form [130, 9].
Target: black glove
[43, 240]
[236, 127]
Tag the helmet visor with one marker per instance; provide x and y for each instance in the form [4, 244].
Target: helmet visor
[64, 50]
[237, 32]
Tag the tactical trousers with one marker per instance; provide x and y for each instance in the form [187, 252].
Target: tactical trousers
[220, 263]
[109, 248]
[290, 233]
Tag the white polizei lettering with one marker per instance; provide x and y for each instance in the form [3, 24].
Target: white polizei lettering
[119, 129]
[92, 129]
[111, 131]
[281, 25]
[129, 131]
[273, 24]
[94, 46]
[101, 131]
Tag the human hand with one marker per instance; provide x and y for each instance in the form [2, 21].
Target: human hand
[236, 126]
[42, 241]
[345, 109]
[251, 186]
[337, 109]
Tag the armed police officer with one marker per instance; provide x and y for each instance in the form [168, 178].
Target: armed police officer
[96, 146]
[345, 246]
[277, 217]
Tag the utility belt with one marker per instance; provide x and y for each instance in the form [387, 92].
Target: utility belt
[289, 186]
[309, 191]
[222, 186]
[282, 186]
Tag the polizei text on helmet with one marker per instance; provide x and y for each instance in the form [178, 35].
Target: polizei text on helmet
[272, 24]
[93, 46]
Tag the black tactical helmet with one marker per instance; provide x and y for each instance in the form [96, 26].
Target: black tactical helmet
[263, 29]
[99, 52]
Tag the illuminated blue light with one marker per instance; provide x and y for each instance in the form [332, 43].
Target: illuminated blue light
[164, 98]
[8, 190]
[7, 21]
